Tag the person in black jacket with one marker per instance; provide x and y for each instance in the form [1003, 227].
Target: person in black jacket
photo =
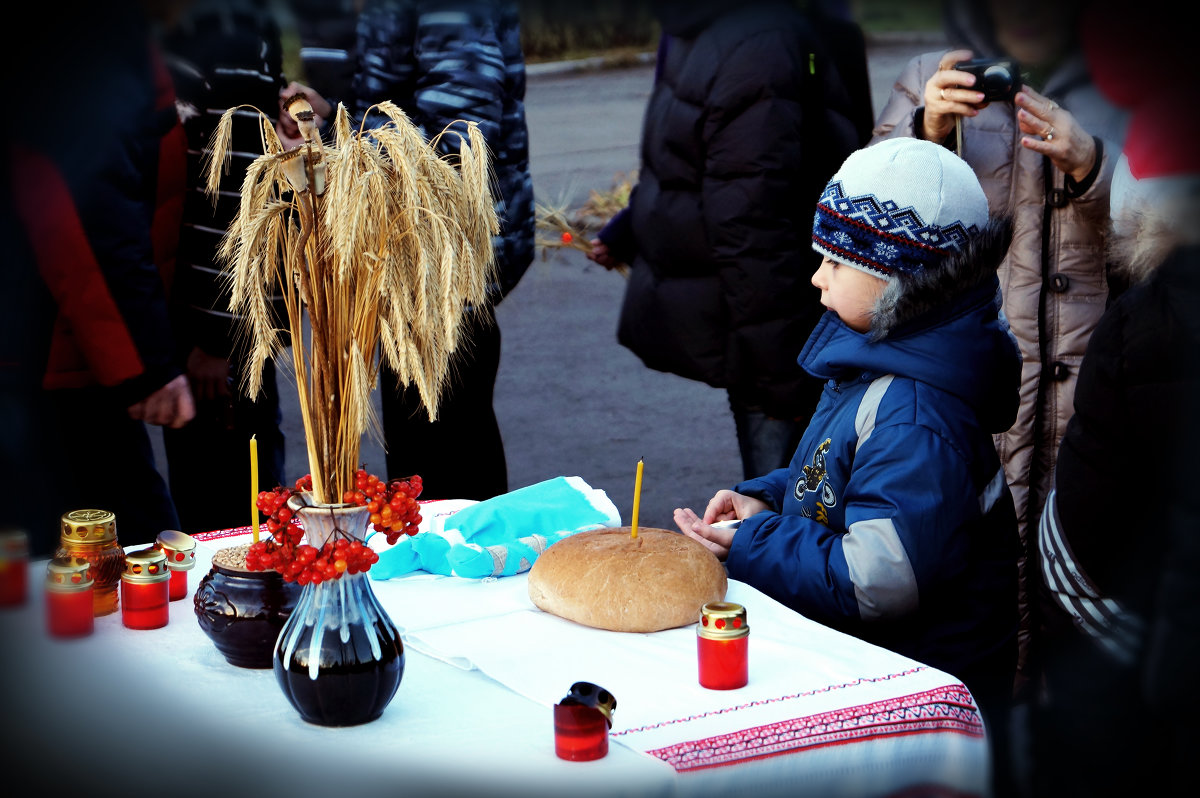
[91, 220]
[747, 121]
[445, 63]
[1119, 538]
[221, 53]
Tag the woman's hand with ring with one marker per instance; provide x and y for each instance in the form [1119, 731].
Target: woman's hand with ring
[1052, 131]
[948, 95]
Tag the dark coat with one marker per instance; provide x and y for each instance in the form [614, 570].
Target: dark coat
[443, 61]
[747, 121]
[220, 56]
[1120, 668]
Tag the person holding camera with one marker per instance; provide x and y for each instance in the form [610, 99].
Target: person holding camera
[1042, 140]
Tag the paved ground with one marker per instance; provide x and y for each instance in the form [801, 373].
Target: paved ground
[570, 399]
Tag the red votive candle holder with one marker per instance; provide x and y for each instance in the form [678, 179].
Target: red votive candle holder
[14, 567]
[145, 589]
[69, 610]
[580, 733]
[722, 643]
[582, 721]
[180, 550]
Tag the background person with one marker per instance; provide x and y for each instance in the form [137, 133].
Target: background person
[221, 53]
[747, 120]
[96, 207]
[445, 63]
[1044, 159]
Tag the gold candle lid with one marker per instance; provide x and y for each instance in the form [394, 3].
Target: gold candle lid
[146, 566]
[68, 574]
[723, 620]
[180, 549]
[91, 527]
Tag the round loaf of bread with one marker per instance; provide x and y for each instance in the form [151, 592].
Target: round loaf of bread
[607, 579]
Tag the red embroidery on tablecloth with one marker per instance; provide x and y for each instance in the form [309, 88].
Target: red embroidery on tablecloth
[762, 702]
[218, 534]
[943, 709]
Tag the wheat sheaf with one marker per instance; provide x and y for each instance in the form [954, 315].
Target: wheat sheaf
[380, 241]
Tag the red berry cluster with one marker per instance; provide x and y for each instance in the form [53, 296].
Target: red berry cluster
[393, 505]
[394, 511]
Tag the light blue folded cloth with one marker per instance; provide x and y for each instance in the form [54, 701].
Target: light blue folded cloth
[503, 535]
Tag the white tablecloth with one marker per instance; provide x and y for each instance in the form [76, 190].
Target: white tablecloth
[824, 714]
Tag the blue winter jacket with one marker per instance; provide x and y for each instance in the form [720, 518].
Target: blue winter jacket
[893, 521]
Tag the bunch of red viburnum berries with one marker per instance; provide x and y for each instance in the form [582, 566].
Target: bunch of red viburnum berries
[394, 512]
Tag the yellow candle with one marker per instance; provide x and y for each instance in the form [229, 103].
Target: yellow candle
[254, 486]
[637, 497]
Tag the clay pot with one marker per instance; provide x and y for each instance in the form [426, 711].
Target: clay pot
[243, 611]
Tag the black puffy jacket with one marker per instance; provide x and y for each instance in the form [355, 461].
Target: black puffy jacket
[747, 121]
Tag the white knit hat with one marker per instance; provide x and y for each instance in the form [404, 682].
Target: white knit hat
[898, 206]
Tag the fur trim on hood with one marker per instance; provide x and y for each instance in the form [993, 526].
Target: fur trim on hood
[908, 296]
[1150, 233]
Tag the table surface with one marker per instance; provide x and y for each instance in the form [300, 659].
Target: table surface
[133, 712]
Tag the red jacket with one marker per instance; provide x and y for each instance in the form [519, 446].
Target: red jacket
[103, 234]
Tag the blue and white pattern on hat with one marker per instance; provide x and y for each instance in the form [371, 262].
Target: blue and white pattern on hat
[899, 205]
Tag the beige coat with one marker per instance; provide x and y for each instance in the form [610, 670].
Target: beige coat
[1054, 279]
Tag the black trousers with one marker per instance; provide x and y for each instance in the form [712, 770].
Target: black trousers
[461, 454]
[92, 455]
[209, 459]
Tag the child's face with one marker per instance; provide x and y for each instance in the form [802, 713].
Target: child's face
[848, 292]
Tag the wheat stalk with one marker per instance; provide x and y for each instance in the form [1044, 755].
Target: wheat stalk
[560, 228]
[380, 243]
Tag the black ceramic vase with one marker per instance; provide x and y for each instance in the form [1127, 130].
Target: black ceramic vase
[243, 611]
[339, 658]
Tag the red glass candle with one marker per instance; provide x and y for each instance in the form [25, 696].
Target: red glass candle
[180, 550]
[582, 721]
[145, 589]
[722, 643]
[580, 732]
[14, 567]
[69, 597]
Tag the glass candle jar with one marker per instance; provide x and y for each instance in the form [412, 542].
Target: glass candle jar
[582, 721]
[722, 641]
[181, 558]
[145, 589]
[14, 567]
[69, 597]
[92, 535]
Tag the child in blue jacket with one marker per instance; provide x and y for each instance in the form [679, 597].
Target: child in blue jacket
[893, 521]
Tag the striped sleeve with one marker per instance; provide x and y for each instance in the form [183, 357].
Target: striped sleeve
[1116, 630]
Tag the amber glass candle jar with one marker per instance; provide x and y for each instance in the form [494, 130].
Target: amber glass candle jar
[722, 643]
[145, 589]
[92, 535]
[69, 597]
[181, 558]
[14, 567]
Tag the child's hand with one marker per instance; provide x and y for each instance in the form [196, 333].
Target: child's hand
[727, 505]
[715, 540]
